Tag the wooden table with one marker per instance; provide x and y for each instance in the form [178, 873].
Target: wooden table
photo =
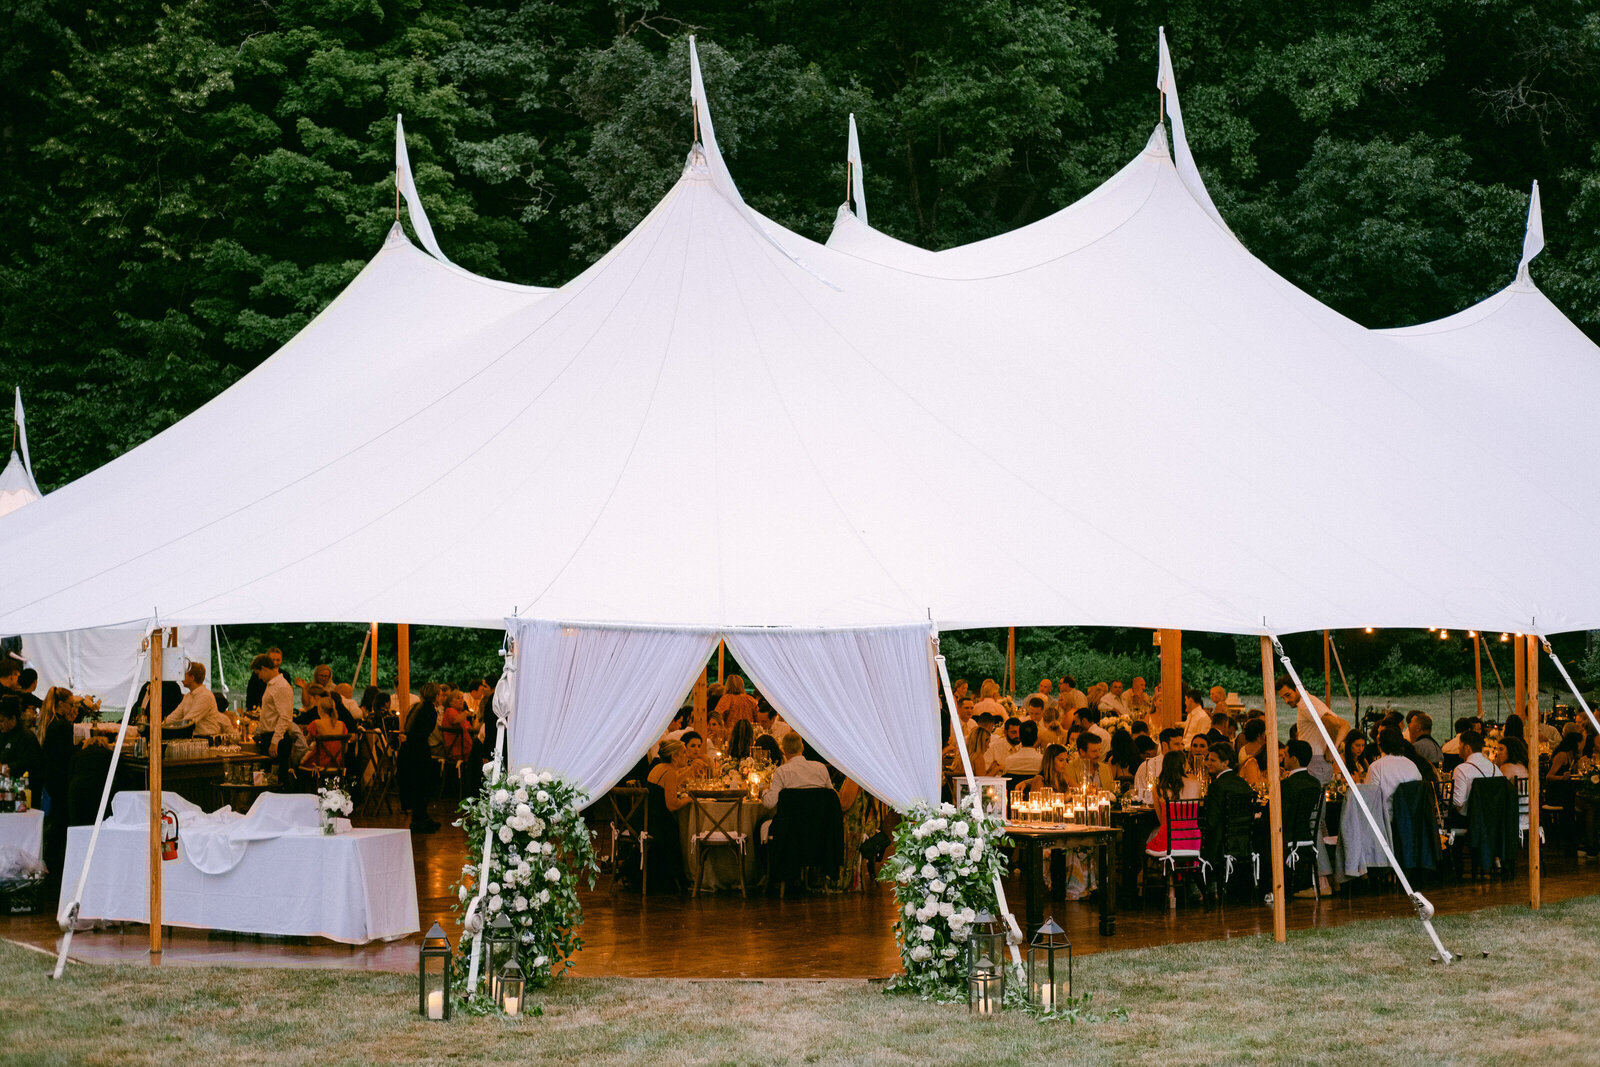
[1033, 840]
[194, 779]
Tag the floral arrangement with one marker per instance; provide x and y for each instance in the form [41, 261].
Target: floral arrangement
[333, 802]
[1589, 783]
[943, 865]
[539, 849]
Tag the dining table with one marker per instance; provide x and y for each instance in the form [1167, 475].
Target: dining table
[1033, 838]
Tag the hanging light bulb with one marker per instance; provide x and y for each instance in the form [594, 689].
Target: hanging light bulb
[1505, 637]
[1369, 629]
[1444, 635]
[1472, 633]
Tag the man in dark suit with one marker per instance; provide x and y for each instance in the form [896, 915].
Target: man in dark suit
[1300, 791]
[1228, 792]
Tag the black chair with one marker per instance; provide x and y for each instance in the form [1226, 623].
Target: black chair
[1415, 826]
[1302, 844]
[630, 824]
[806, 837]
[1492, 825]
[1235, 851]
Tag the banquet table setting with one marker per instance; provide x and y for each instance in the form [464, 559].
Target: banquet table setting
[278, 869]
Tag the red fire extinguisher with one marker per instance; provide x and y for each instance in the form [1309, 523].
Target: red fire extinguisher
[169, 834]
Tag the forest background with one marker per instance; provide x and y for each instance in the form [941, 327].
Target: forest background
[184, 185]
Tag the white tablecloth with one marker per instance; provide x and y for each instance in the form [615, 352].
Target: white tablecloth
[23, 831]
[352, 887]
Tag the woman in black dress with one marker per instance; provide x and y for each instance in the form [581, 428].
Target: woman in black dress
[56, 753]
[414, 763]
[664, 861]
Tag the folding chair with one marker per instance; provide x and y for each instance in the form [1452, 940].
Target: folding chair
[724, 833]
[630, 822]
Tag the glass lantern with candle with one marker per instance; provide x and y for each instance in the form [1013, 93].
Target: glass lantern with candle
[500, 948]
[433, 975]
[509, 988]
[1050, 967]
[987, 942]
[985, 987]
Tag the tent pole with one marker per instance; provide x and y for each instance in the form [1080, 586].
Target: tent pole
[1519, 678]
[698, 715]
[722, 655]
[68, 916]
[157, 638]
[1477, 668]
[1327, 669]
[360, 658]
[494, 776]
[402, 695]
[1011, 661]
[1171, 678]
[1280, 914]
[975, 796]
[1499, 683]
[374, 682]
[1531, 733]
[1355, 715]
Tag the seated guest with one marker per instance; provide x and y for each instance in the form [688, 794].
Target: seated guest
[1513, 757]
[1474, 765]
[1027, 758]
[374, 705]
[1223, 727]
[1052, 731]
[1199, 748]
[1225, 783]
[1565, 760]
[1389, 769]
[1111, 702]
[1172, 783]
[978, 752]
[1069, 697]
[767, 745]
[1052, 771]
[664, 856]
[1355, 755]
[19, 747]
[1087, 769]
[1253, 739]
[989, 700]
[1088, 719]
[1123, 756]
[796, 772]
[198, 707]
[1034, 707]
[1138, 700]
[1144, 779]
[1452, 747]
[736, 705]
[1419, 731]
[698, 764]
[1004, 744]
[741, 736]
[326, 733]
[964, 722]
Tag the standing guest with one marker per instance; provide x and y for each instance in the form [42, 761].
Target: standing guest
[198, 709]
[1027, 758]
[19, 748]
[414, 763]
[1196, 720]
[1321, 767]
[796, 772]
[1070, 697]
[255, 689]
[736, 705]
[1419, 731]
[664, 857]
[1088, 770]
[1219, 700]
[1389, 770]
[278, 735]
[455, 726]
[326, 734]
[1474, 765]
[27, 682]
[56, 754]
[1138, 700]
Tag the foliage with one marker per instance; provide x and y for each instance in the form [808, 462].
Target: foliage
[944, 867]
[539, 851]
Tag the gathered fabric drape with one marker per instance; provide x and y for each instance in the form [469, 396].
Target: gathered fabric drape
[590, 700]
[863, 698]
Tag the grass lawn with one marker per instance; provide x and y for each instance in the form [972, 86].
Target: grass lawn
[1361, 993]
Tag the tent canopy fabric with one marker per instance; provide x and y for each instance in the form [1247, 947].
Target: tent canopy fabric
[1114, 417]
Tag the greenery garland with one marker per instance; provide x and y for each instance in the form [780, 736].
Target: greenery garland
[944, 866]
[539, 849]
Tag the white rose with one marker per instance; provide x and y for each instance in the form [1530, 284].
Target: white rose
[965, 871]
[553, 874]
[929, 871]
[524, 812]
[911, 909]
[919, 833]
[546, 778]
[947, 809]
[925, 932]
[524, 871]
[520, 797]
[463, 894]
[958, 852]
[947, 909]
[547, 848]
[923, 915]
[968, 915]
[959, 829]
[936, 886]
[921, 953]
[494, 887]
[930, 853]
[948, 952]
[540, 961]
[500, 798]
[506, 834]
[520, 904]
[495, 903]
[977, 850]
[542, 797]
[960, 933]
[544, 896]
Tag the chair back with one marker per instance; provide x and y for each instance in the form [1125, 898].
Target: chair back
[1522, 795]
[329, 750]
[1238, 824]
[1183, 826]
[807, 831]
[1415, 826]
[630, 809]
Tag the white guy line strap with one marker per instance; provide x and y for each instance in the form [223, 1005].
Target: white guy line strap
[1582, 703]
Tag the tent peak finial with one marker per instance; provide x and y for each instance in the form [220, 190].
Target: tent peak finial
[855, 195]
[405, 185]
[1532, 237]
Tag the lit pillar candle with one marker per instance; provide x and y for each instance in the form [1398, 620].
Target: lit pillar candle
[513, 1005]
[436, 1004]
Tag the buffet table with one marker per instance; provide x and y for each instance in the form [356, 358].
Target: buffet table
[352, 887]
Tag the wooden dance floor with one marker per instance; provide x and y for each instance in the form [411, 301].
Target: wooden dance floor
[844, 935]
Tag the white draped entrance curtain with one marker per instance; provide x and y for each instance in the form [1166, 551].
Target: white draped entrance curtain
[591, 699]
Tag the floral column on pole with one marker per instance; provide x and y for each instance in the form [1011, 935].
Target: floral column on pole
[539, 849]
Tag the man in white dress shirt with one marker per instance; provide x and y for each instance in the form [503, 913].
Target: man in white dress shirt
[1005, 743]
[1473, 766]
[1391, 769]
[796, 772]
[1306, 730]
[1111, 702]
[198, 707]
[1027, 759]
[1197, 721]
[278, 736]
[1088, 720]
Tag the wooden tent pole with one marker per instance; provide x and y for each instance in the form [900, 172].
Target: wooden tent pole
[1519, 677]
[1477, 668]
[1171, 678]
[374, 681]
[153, 774]
[1280, 915]
[1530, 724]
[361, 656]
[1499, 682]
[722, 655]
[402, 694]
[1011, 661]
[698, 716]
[1355, 716]
[1327, 669]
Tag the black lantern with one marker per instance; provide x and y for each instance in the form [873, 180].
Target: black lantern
[509, 987]
[433, 975]
[987, 940]
[985, 987]
[1050, 967]
[500, 948]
